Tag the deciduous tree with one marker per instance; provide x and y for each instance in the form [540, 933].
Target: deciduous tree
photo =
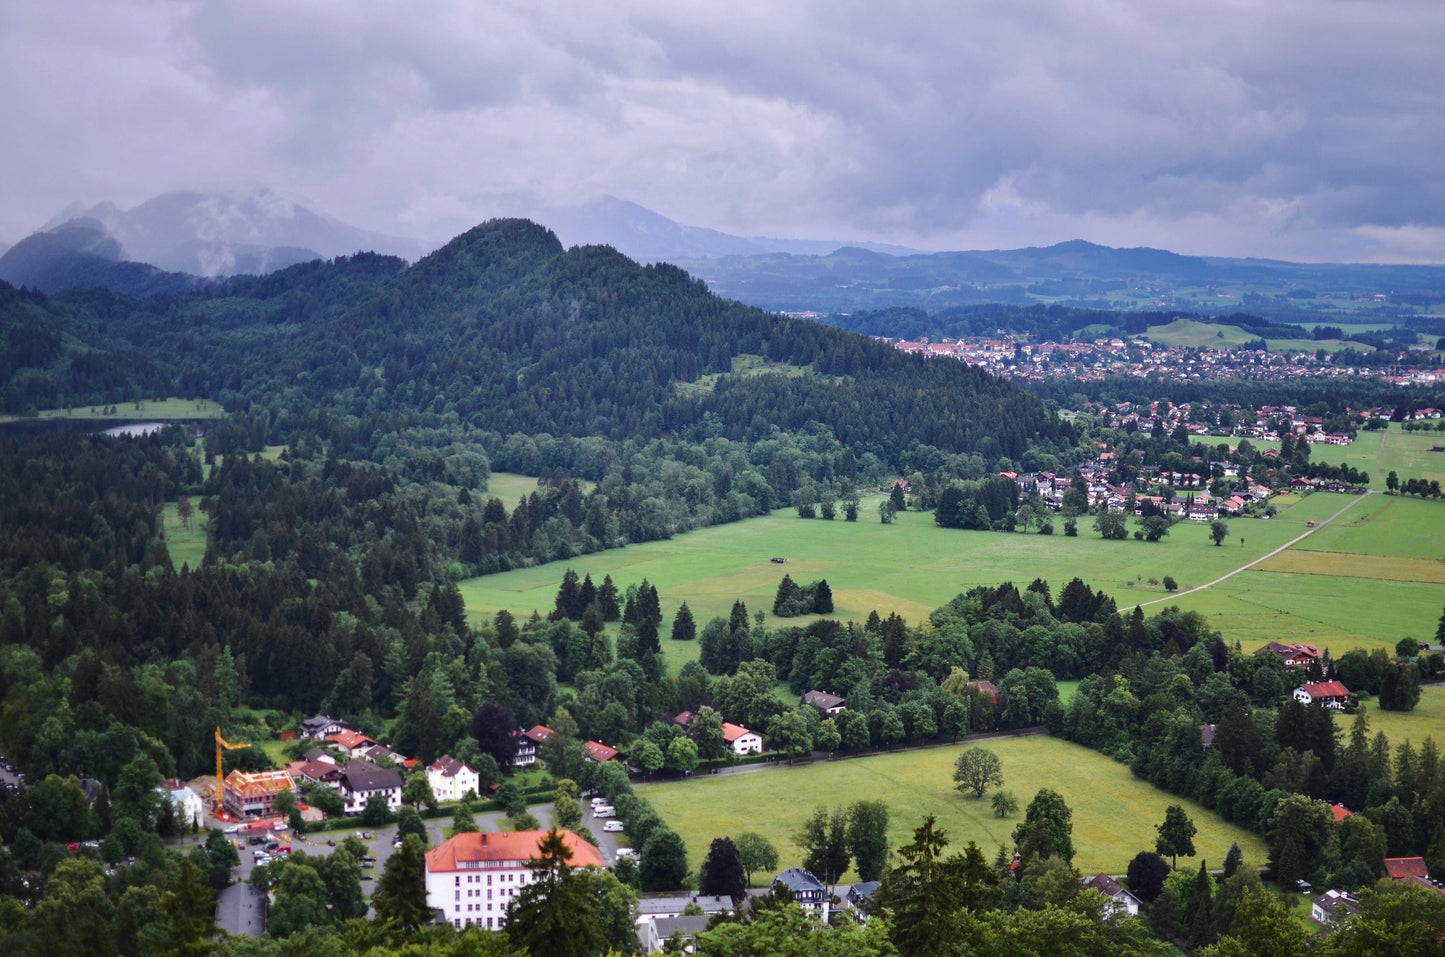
[976, 770]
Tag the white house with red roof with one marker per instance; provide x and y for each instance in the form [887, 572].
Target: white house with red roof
[354, 743]
[472, 877]
[1330, 694]
[741, 740]
[599, 752]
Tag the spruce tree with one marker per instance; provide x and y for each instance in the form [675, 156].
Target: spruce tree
[683, 626]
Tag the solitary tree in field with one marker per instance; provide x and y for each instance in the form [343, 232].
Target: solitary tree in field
[976, 770]
[1219, 531]
[1004, 803]
[1176, 834]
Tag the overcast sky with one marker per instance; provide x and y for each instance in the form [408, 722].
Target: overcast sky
[1301, 129]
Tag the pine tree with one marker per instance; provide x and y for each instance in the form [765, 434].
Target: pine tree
[683, 627]
[401, 892]
[607, 600]
[822, 598]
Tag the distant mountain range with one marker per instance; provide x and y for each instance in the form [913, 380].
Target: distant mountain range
[178, 240]
[646, 236]
[164, 243]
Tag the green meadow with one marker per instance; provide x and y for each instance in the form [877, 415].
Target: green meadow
[1378, 453]
[1114, 813]
[910, 566]
[160, 410]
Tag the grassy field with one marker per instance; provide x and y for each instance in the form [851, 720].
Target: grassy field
[909, 567]
[1426, 721]
[1114, 813]
[1190, 334]
[131, 411]
[186, 546]
[1379, 453]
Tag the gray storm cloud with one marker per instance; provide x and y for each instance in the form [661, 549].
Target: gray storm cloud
[1291, 129]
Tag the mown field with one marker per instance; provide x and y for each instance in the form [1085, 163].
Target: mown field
[909, 567]
[162, 410]
[1114, 813]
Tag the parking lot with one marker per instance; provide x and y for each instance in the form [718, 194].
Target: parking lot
[380, 843]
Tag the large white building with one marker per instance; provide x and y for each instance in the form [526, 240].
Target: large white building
[472, 877]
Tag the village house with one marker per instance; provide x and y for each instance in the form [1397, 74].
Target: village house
[325, 773]
[741, 740]
[450, 779]
[189, 806]
[807, 890]
[1120, 901]
[599, 752]
[526, 753]
[1329, 694]
[1293, 656]
[472, 877]
[354, 743]
[654, 933]
[321, 727]
[530, 744]
[361, 781]
[824, 702]
[1332, 906]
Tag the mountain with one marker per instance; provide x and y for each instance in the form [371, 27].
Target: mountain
[648, 236]
[209, 235]
[82, 253]
[505, 330]
[1076, 273]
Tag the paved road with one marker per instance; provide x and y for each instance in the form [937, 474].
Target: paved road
[1289, 544]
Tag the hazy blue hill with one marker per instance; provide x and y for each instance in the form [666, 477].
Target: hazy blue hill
[1080, 258]
[78, 254]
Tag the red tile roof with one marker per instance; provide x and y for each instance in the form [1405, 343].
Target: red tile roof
[350, 739]
[1327, 689]
[600, 752]
[1341, 812]
[1401, 868]
[516, 846]
[731, 732]
[538, 734]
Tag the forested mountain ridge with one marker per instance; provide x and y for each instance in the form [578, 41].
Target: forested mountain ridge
[509, 333]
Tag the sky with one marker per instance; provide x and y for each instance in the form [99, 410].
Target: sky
[1292, 129]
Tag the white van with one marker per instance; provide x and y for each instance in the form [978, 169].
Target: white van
[604, 810]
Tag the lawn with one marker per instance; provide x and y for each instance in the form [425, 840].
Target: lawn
[1114, 813]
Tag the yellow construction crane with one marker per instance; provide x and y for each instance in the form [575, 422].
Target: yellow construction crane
[222, 746]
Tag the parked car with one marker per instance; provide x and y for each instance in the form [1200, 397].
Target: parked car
[612, 826]
[625, 852]
[368, 861]
[331, 843]
[233, 829]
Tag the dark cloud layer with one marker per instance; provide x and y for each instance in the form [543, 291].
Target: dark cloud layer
[1292, 129]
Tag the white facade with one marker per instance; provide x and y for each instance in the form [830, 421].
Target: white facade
[192, 809]
[741, 740]
[477, 896]
[450, 779]
[473, 877]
